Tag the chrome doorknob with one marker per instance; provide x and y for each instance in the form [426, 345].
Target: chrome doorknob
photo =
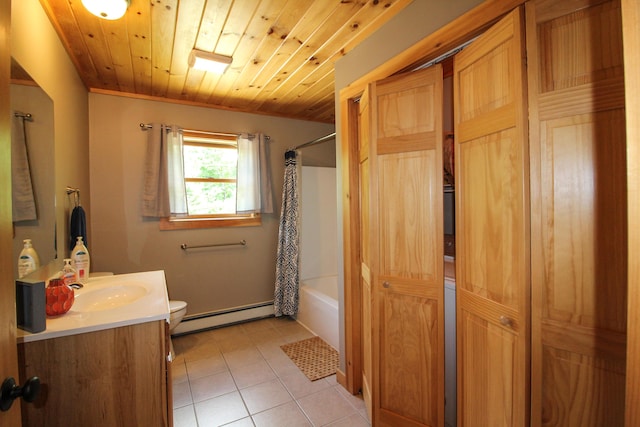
[11, 391]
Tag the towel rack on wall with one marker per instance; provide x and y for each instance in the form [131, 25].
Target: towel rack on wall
[185, 247]
[76, 194]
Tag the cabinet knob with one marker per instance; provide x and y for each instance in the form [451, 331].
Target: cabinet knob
[505, 321]
[386, 284]
[11, 391]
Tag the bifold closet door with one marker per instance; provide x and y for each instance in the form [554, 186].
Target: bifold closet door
[579, 205]
[407, 249]
[366, 297]
[492, 228]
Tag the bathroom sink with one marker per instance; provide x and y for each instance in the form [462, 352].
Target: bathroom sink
[108, 297]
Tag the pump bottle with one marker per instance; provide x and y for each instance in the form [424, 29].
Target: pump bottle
[81, 260]
[28, 260]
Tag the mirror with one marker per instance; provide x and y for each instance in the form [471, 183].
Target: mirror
[28, 98]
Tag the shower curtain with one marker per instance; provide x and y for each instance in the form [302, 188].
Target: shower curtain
[287, 263]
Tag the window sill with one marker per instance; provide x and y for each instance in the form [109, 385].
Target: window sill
[195, 222]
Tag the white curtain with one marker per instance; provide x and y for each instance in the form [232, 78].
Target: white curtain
[253, 182]
[175, 170]
[164, 191]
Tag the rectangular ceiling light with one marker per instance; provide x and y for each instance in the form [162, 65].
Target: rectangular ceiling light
[208, 61]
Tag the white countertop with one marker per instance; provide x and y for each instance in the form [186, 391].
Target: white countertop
[109, 302]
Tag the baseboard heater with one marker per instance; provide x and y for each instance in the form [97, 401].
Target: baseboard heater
[227, 317]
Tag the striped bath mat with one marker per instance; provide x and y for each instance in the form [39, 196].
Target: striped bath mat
[314, 357]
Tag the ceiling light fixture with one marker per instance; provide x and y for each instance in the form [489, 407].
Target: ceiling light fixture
[208, 61]
[107, 9]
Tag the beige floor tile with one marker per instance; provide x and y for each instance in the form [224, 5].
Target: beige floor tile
[257, 326]
[220, 410]
[184, 417]
[233, 344]
[245, 422]
[325, 406]
[212, 386]
[228, 332]
[356, 401]
[299, 385]
[255, 373]
[245, 356]
[354, 420]
[179, 372]
[282, 365]
[205, 367]
[182, 395]
[265, 396]
[287, 415]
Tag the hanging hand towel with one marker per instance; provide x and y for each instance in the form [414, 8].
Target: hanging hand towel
[78, 226]
[24, 204]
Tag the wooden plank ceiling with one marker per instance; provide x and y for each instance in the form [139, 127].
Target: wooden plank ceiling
[283, 51]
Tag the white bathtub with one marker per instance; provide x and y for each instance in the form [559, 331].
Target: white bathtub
[318, 307]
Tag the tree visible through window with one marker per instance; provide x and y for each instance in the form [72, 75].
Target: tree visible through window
[210, 167]
[210, 172]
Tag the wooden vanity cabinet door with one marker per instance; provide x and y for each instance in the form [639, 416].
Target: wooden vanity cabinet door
[111, 378]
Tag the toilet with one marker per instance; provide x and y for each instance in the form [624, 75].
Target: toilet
[177, 311]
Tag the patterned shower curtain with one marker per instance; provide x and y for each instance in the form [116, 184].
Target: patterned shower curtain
[287, 263]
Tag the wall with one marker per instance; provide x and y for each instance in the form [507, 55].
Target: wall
[36, 46]
[412, 24]
[123, 242]
[40, 150]
[318, 222]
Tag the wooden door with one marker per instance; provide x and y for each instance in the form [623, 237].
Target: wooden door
[366, 298]
[492, 228]
[579, 213]
[405, 173]
[8, 351]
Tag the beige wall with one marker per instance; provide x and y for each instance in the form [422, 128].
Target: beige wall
[122, 241]
[36, 46]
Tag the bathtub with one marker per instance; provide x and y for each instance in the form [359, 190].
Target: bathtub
[318, 307]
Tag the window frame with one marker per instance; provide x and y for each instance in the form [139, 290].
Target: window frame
[187, 222]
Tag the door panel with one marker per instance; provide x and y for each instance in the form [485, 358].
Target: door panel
[492, 228]
[364, 121]
[8, 351]
[579, 244]
[407, 246]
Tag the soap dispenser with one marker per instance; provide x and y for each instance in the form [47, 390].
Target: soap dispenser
[81, 260]
[69, 274]
[28, 260]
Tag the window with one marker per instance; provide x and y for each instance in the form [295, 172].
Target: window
[210, 171]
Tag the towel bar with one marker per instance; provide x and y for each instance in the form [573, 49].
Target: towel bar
[184, 246]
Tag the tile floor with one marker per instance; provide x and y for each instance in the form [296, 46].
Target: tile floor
[238, 376]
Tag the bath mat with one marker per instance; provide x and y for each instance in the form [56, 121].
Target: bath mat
[314, 357]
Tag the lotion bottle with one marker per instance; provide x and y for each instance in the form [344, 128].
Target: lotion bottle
[81, 260]
[28, 260]
[69, 274]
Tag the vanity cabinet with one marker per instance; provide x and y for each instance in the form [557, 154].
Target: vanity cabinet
[113, 377]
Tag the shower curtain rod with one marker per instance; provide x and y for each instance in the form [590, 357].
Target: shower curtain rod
[317, 141]
[145, 126]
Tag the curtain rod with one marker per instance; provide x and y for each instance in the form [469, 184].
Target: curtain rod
[145, 126]
[317, 141]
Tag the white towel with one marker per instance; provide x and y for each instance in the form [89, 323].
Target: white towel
[24, 204]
